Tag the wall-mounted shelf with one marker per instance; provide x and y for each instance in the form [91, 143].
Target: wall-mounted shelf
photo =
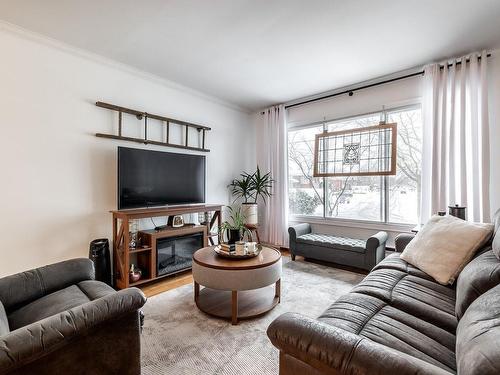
[165, 121]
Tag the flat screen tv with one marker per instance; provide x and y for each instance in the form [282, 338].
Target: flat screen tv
[154, 178]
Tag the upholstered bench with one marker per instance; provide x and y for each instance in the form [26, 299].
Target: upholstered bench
[364, 254]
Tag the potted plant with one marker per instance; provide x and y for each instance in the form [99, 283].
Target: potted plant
[249, 188]
[234, 228]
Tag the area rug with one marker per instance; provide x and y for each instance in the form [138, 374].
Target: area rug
[179, 339]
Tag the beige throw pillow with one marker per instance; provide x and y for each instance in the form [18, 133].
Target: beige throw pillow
[444, 246]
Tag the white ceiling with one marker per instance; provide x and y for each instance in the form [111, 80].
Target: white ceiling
[254, 53]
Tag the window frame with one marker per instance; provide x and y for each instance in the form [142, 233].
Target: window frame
[384, 191]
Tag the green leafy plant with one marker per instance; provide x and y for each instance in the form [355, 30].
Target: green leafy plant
[252, 186]
[242, 188]
[236, 220]
[262, 185]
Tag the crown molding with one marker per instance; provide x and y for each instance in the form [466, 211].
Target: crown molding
[96, 58]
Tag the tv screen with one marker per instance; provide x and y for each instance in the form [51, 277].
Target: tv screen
[154, 178]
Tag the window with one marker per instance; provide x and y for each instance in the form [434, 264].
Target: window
[392, 199]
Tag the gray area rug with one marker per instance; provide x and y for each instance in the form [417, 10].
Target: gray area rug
[179, 339]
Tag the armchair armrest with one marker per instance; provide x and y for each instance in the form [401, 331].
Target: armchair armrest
[27, 286]
[402, 240]
[30, 343]
[334, 350]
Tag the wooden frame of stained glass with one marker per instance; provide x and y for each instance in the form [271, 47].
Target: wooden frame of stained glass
[368, 151]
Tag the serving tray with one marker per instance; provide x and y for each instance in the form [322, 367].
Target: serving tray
[233, 255]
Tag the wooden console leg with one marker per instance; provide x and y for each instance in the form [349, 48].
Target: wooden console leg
[196, 291]
[278, 290]
[293, 257]
[234, 307]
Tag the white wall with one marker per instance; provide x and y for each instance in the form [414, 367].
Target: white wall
[58, 180]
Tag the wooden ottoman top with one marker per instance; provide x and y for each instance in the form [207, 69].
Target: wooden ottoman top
[207, 257]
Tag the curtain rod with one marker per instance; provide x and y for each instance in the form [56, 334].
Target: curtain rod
[351, 91]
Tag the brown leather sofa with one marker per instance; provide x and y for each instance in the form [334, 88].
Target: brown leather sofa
[398, 320]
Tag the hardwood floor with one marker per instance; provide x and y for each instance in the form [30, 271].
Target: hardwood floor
[169, 283]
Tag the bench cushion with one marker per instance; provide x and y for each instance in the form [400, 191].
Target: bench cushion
[334, 242]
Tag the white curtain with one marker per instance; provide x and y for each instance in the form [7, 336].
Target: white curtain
[455, 157]
[272, 157]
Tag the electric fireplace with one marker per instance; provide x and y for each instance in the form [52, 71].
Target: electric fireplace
[174, 254]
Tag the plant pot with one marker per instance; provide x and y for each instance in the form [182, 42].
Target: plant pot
[234, 236]
[250, 211]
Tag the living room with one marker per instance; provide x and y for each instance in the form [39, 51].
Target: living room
[248, 187]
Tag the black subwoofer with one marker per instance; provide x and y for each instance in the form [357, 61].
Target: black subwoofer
[99, 254]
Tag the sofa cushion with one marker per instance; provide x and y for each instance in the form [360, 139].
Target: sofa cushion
[334, 242]
[22, 288]
[48, 305]
[445, 245]
[376, 320]
[478, 346]
[479, 276]
[415, 295]
[394, 261]
[4, 322]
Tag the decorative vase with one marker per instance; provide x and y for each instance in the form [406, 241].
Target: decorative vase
[134, 274]
[457, 211]
[234, 235]
[133, 233]
[250, 212]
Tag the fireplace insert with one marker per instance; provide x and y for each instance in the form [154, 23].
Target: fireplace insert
[175, 254]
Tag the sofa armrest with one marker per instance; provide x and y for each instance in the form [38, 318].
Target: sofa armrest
[334, 350]
[297, 231]
[30, 343]
[402, 240]
[24, 287]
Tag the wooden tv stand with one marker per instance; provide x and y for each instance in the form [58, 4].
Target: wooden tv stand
[146, 252]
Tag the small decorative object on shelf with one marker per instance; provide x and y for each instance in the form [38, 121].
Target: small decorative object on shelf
[134, 230]
[204, 218]
[201, 218]
[457, 211]
[178, 221]
[135, 274]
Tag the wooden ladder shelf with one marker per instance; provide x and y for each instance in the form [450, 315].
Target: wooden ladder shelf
[166, 121]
